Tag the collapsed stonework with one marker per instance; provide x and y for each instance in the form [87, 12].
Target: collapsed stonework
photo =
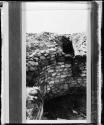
[54, 68]
[51, 66]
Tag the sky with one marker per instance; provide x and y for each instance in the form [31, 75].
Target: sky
[63, 18]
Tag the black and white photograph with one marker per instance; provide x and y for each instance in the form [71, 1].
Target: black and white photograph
[56, 61]
[51, 62]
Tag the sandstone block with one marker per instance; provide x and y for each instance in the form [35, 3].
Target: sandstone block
[53, 74]
[50, 71]
[63, 76]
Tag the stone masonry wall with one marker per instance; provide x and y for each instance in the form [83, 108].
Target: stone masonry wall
[51, 70]
[55, 79]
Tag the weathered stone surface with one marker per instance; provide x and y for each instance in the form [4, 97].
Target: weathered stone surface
[46, 59]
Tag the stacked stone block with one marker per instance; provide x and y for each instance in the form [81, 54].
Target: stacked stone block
[47, 68]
